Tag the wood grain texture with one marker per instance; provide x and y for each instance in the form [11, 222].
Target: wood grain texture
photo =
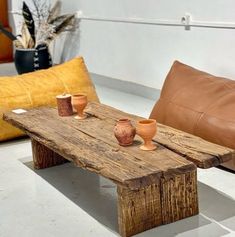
[84, 150]
[92, 145]
[44, 157]
[139, 210]
[179, 197]
[154, 188]
[167, 201]
[202, 153]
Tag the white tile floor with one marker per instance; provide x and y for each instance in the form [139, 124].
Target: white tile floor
[67, 201]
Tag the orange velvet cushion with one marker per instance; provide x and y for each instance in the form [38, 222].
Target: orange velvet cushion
[40, 89]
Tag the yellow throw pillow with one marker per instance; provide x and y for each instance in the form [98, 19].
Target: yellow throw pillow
[40, 89]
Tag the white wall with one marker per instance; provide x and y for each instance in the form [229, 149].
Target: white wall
[144, 53]
[15, 20]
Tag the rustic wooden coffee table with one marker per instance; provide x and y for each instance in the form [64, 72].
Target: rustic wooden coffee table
[154, 188]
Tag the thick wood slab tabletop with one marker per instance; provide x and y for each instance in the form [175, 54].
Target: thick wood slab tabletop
[90, 144]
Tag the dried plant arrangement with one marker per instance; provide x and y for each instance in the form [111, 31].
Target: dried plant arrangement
[41, 24]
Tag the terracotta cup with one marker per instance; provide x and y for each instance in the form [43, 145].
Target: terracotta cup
[64, 105]
[79, 102]
[146, 129]
[124, 132]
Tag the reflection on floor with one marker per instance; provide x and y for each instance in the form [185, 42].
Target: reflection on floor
[68, 201]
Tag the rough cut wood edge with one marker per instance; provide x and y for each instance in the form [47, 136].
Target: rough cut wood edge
[71, 153]
[133, 178]
[202, 153]
[168, 201]
[179, 197]
[138, 210]
[230, 165]
[43, 157]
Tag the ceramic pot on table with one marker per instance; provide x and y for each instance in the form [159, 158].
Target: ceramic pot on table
[64, 105]
[124, 132]
[147, 129]
[79, 103]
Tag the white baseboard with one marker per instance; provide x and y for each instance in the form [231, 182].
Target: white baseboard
[125, 86]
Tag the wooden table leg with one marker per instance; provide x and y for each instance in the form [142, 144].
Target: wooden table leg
[43, 157]
[179, 197]
[138, 210]
[171, 200]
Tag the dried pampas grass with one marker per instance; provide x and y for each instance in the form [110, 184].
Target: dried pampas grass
[43, 24]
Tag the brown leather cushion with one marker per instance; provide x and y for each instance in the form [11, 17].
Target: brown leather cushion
[198, 103]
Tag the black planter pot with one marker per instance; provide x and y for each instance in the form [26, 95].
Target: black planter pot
[29, 60]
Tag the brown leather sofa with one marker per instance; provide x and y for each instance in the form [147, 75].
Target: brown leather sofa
[198, 103]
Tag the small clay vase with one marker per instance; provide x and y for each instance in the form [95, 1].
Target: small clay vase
[79, 102]
[124, 132]
[64, 105]
[147, 129]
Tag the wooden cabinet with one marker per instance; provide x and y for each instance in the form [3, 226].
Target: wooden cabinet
[3, 12]
[6, 49]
